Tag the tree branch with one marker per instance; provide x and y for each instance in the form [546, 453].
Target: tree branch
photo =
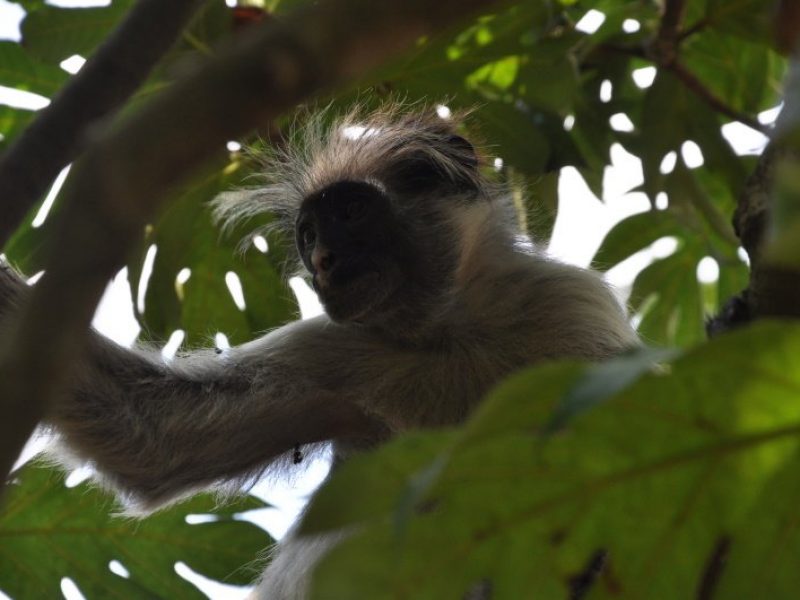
[671, 20]
[692, 83]
[774, 288]
[663, 49]
[693, 29]
[123, 178]
[700, 90]
[786, 25]
[109, 77]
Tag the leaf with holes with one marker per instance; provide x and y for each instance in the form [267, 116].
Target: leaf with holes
[633, 234]
[669, 298]
[186, 238]
[49, 531]
[663, 126]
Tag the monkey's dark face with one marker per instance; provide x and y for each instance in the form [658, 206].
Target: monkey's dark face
[353, 245]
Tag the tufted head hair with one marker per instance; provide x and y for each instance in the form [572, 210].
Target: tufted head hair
[397, 147]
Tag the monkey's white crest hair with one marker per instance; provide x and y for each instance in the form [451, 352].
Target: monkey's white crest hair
[361, 145]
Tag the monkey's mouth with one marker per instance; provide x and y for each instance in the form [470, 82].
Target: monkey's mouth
[343, 276]
[349, 294]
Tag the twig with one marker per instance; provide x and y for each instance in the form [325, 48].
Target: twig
[714, 568]
[123, 178]
[696, 86]
[697, 27]
[663, 49]
[700, 90]
[105, 82]
[671, 20]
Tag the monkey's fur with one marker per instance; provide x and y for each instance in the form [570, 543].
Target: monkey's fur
[432, 300]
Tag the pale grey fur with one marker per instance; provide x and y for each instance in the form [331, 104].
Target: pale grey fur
[323, 149]
[158, 430]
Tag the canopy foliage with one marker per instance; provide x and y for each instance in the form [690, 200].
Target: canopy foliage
[685, 474]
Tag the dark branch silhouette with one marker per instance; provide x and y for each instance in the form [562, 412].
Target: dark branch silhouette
[774, 289]
[59, 132]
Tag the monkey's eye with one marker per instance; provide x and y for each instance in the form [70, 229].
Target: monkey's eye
[354, 208]
[308, 236]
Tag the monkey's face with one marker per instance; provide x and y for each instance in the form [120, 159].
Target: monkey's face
[352, 243]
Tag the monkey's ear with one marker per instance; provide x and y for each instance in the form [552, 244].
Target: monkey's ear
[453, 165]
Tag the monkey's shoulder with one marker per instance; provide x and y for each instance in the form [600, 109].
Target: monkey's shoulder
[546, 309]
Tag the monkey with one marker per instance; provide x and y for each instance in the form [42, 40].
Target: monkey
[432, 295]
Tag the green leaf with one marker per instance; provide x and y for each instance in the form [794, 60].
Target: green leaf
[719, 158]
[381, 481]
[53, 34]
[738, 71]
[657, 476]
[761, 556]
[12, 122]
[600, 382]
[663, 126]
[548, 79]
[749, 19]
[523, 145]
[616, 12]
[700, 209]
[49, 531]
[734, 277]
[500, 74]
[480, 66]
[593, 138]
[185, 237]
[671, 299]
[20, 70]
[31, 5]
[667, 294]
[633, 234]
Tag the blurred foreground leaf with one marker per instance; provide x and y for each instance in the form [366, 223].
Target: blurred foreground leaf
[690, 459]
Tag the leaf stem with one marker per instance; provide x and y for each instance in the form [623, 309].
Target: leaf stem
[697, 87]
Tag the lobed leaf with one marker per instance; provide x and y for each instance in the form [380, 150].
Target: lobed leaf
[78, 534]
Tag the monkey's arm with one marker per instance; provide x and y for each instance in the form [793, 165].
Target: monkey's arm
[157, 429]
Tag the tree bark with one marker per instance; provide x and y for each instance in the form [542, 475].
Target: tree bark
[774, 289]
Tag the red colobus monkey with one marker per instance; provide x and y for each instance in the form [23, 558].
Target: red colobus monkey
[430, 297]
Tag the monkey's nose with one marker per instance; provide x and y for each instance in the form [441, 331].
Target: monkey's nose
[322, 259]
